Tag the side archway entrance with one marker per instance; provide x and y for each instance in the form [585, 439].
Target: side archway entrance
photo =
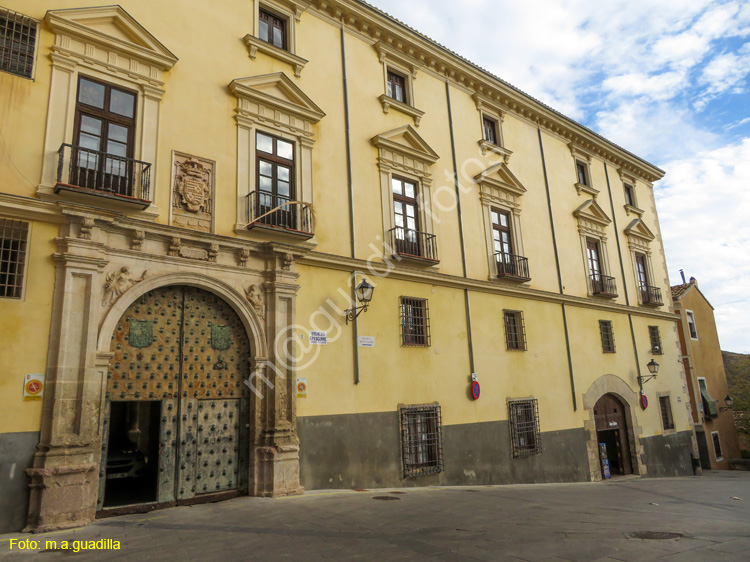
[613, 435]
[177, 414]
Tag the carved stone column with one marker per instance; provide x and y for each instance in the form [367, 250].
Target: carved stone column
[64, 475]
[276, 468]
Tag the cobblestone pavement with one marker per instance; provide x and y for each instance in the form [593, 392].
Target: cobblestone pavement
[694, 518]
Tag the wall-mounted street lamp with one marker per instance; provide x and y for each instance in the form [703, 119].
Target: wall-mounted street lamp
[363, 292]
[653, 368]
[729, 401]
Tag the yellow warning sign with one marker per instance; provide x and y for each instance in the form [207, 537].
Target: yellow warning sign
[33, 387]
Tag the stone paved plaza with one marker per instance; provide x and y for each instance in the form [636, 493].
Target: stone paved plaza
[694, 518]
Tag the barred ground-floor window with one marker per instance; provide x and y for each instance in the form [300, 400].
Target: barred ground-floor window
[421, 439]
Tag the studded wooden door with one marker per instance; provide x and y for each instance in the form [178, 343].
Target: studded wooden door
[187, 348]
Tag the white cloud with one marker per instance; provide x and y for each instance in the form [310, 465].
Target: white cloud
[703, 204]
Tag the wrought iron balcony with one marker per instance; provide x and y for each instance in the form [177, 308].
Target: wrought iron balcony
[603, 285]
[512, 266]
[412, 244]
[98, 173]
[280, 213]
[651, 295]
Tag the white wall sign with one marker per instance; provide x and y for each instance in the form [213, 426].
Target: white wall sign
[366, 341]
[318, 338]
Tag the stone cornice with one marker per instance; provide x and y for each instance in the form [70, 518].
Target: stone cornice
[404, 273]
[29, 208]
[376, 26]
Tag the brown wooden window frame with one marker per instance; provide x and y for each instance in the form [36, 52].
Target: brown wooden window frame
[582, 173]
[18, 43]
[629, 194]
[393, 78]
[607, 333]
[14, 242]
[496, 226]
[273, 21]
[490, 130]
[85, 173]
[421, 439]
[515, 330]
[665, 408]
[415, 328]
[655, 338]
[525, 435]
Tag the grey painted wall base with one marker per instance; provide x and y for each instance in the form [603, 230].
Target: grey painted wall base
[364, 451]
[16, 455]
[668, 455]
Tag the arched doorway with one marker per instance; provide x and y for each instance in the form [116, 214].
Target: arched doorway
[177, 414]
[613, 434]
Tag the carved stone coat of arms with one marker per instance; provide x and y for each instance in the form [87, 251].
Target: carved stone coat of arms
[192, 201]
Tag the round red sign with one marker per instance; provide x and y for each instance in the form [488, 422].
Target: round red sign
[475, 390]
[33, 387]
[644, 401]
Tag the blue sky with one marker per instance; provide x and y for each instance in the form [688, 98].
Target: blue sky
[668, 80]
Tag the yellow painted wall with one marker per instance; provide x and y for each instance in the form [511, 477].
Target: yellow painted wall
[197, 117]
[25, 325]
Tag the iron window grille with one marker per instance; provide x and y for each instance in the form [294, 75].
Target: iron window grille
[608, 336]
[525, 439]
[421, 439]
[655, 337]
[17, 43]
[515, 331]
[415, 322]
[665, 407]
[13, 241]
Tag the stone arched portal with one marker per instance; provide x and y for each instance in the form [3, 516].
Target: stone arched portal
[64, 476]
[617, 390]
[177, 418]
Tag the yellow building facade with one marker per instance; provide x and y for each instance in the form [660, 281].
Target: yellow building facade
[189, 198]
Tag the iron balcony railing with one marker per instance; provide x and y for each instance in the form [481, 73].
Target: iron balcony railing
[603, 285]
[412, 243]
[651, 295]
[511, 265]
[103, 172]
[278, 211]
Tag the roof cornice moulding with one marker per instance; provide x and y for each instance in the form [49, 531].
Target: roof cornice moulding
[371, 22]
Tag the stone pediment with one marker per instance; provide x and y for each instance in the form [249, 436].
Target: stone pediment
[638, 229]
[500, 177]
[591, 212]
[278, 92]
[406, 141]
[113, 31]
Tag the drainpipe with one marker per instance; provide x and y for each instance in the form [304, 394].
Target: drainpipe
[559, 273]
[467, 301]
[350, 183]
[622, 270]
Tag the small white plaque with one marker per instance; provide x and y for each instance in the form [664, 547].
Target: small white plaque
[366, 341]
[318, 338]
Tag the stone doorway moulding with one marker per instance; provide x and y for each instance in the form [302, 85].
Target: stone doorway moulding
[64, 476]
[611, 384]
